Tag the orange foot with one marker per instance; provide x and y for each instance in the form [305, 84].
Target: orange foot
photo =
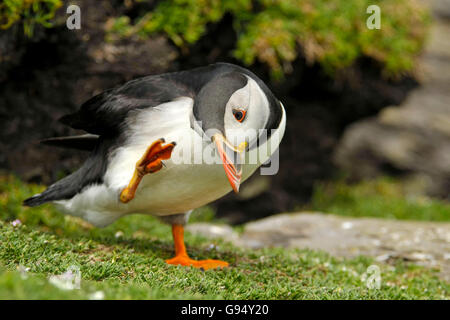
[181, 257]
[201, 264]
[150, 162]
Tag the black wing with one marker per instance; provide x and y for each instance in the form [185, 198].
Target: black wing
[104, 113]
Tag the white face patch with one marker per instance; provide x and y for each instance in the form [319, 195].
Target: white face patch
[253, 103]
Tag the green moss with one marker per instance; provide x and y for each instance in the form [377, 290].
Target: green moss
[383, 198]
[28, 12]
[130, 264]
[275, 32]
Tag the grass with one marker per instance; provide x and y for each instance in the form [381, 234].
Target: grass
[382, 198]
[28, 13]
[126, 261]
[275, 32]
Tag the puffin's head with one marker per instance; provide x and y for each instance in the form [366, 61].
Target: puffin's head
[232, 109]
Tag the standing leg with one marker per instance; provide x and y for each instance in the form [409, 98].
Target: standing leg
[177, 221]
[181, 256]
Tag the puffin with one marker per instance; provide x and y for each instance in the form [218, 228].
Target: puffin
[166, 144]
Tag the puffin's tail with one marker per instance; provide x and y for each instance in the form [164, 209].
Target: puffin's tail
[65, 188]
[35, 200]
[54, 192]
[91, 172]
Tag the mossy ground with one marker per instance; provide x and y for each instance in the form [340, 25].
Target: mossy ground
[274, 32]
[126, 261]
[380, 198]
[331, 33]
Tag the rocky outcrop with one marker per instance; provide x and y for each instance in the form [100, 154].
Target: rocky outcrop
[422, 243]
[412, 139]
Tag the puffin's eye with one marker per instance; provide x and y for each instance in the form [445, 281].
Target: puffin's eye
[239, 114]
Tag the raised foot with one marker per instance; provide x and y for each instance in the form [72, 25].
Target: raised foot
[150, 162]
[203, 264]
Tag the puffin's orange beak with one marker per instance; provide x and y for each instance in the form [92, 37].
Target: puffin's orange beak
[232, 160]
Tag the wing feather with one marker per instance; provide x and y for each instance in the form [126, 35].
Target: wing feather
[105, 113]
[86, 142]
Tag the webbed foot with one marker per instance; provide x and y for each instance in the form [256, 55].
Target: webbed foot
[150, 162]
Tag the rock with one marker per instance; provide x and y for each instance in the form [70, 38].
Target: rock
[213, 231]
[422, 243]
[441, 8]
[412, 139]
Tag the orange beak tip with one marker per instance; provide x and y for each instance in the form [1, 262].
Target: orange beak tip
[233, 175]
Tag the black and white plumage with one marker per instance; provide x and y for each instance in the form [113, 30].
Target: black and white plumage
[122, 122]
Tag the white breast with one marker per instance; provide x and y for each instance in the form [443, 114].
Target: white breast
[176, 188]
